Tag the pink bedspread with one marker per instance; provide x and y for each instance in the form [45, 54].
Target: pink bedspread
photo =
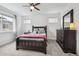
[33, 36]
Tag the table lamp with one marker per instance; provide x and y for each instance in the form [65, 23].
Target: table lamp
[72, 26]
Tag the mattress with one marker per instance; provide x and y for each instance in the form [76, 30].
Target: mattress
[33, 36]
[36, 39]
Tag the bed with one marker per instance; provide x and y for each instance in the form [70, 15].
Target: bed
[36, 41]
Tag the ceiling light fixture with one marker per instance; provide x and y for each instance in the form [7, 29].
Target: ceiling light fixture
[31, 7]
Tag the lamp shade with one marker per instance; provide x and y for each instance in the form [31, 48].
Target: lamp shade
[72, 26]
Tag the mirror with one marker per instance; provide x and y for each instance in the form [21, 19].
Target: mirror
[67, 19]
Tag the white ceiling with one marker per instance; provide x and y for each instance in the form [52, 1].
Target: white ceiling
[44, 8]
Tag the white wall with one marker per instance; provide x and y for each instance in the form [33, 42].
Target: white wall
[35, 20]
[41, 20]
[76, 19]
[19, 25]
[6, 37]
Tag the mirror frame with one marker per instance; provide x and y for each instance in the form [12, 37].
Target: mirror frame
[71, 17]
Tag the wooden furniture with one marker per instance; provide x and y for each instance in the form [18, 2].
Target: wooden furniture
[67, 19]
[36, 45]
[67, 40]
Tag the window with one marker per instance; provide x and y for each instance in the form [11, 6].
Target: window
[7, 23]
[52, 20]
[27, 21]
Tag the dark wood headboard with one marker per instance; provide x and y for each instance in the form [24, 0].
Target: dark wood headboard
[38, 27]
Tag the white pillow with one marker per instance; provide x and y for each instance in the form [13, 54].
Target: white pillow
[34, 32]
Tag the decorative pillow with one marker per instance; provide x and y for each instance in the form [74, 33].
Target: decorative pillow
[41, 31]
[34, 32]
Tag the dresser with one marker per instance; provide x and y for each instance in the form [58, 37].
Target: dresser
[67, 40]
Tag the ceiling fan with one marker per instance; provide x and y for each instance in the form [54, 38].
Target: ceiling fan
[32, 6]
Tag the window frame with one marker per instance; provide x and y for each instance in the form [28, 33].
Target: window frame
[13, 22]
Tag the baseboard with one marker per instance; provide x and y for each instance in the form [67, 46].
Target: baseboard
[50, 40]
[7, 43]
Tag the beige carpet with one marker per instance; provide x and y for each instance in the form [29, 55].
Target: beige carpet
[53, 49]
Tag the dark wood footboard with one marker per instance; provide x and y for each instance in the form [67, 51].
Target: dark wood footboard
[31, 45]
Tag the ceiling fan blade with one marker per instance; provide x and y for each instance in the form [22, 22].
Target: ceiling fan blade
[31, 4]
[36, 4]
[36, 8]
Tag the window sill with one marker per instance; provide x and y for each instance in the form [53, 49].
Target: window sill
[7, 32]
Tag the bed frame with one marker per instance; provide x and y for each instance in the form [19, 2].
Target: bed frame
[33, 44]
